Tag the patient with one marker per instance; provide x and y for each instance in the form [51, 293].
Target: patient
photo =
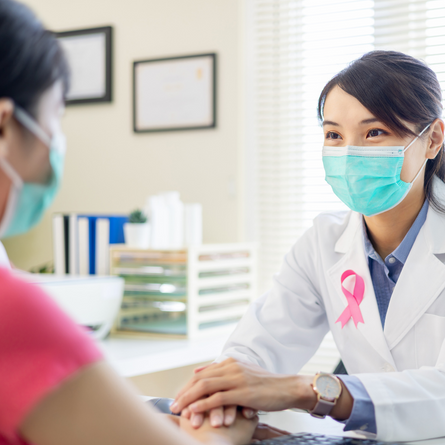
[55, 386]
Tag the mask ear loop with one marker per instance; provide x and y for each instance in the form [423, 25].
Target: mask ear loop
[28, 122]
[426, 160]
[417, 137]
[11, 173]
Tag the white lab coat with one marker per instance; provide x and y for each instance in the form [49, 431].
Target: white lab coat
[403, 366]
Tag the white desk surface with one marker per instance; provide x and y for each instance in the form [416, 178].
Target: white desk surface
[132, 357]
[296, 422]
[299, 422]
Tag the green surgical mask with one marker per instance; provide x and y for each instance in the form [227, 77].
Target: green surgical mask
[27, 202]
[367, 179]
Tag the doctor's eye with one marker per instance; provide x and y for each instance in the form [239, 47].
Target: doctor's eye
[376, 132]
[332, 135]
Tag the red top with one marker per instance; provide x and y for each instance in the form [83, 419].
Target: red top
[40, 347]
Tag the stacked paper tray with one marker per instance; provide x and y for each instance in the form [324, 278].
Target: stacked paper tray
[189, 292]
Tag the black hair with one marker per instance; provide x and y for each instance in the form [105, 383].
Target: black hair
[396, 87]
[31, 59]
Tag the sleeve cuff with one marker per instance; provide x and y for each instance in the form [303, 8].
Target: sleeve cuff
[363, 413]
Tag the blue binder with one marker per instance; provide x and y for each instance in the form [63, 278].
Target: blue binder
[116, 234]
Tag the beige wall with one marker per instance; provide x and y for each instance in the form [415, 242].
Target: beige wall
[111, 169]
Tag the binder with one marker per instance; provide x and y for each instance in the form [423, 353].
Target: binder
[81, 242]
[102, 246]
[59, 245]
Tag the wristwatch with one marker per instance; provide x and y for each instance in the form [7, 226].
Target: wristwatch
[328, 389]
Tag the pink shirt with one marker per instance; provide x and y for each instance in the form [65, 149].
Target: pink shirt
[40, 347]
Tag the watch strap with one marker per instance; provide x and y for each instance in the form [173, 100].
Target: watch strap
[322, 408]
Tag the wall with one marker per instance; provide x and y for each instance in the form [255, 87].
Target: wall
[111, 169]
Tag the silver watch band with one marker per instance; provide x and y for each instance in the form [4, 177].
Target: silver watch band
[322, 408]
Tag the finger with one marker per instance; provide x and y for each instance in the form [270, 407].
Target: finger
[229, 415]
[211, 371]
[200, 390]
[186, 413]
[186, 388]
[196, 420]
[249, 413]
[217, 417]
[233, 397]
[201, 368]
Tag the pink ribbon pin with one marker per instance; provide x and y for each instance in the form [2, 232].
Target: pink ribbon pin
[354, 300]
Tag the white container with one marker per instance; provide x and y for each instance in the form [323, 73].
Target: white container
[193, 224]
[176, 220]
[137, 235]
[93, 302]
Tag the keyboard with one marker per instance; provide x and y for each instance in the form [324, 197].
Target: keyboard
[320, 439]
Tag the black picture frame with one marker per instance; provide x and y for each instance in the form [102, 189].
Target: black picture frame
[108, 33]
[213, 94]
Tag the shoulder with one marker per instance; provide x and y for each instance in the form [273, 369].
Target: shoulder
[19, 297]
[328, 227]
[321, 237]
[14, 290]
[29, 317]
[333, 220]
[40, 347]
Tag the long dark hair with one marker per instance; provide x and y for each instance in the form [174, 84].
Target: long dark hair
[31, 59]
[394, 87]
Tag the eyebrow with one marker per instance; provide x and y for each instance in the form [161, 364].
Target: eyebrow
[363, 122]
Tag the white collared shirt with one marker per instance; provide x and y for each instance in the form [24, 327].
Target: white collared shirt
[4, 260]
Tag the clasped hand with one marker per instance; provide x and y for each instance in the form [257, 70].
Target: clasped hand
[220, 387]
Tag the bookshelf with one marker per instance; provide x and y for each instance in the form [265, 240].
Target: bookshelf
[191, 292]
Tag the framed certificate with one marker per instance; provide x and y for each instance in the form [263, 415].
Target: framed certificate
[89, 54]
[177, 93]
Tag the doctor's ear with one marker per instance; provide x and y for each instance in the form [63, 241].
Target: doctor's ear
[6, 114]
[436, 138]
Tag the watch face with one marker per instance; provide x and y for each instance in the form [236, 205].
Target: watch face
[328, 387]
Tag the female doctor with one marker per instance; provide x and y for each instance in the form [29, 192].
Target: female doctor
[374, 276]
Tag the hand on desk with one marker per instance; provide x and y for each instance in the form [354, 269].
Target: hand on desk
[239, 433]
[234, 383]
[262, 431]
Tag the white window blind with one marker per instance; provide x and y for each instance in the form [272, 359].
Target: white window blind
[293, 48]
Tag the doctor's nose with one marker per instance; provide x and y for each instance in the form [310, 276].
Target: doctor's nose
[352, 139]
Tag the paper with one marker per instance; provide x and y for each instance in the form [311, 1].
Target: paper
[86, 58]
[174, 93]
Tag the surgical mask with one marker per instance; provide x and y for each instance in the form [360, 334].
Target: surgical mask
[27, 202]
[367, 179]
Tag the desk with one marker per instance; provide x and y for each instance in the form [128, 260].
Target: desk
[132, 357]
[156, 365]
[145, 360]
[297, 422]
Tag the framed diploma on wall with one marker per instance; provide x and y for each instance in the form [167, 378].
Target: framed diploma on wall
[89, 55]
[172, 94]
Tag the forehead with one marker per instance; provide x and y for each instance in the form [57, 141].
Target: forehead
[342, 107]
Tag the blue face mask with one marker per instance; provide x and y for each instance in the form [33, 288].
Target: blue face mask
[367, 179]
[27, 202]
